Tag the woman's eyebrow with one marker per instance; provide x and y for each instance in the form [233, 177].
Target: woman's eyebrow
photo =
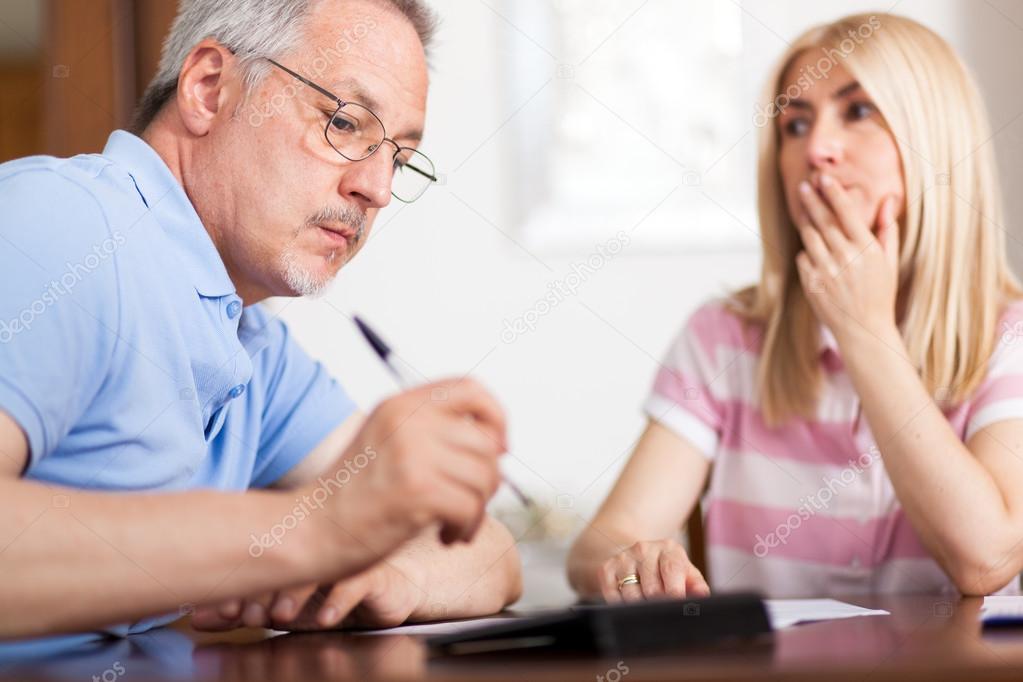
[844, 91]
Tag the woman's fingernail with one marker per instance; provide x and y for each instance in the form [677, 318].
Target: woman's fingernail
[230, 610]
[328, 616]
[282, 609]
[804, 187]
[825, 180]
[253, 616]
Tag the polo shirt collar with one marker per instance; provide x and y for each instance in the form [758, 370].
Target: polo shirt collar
[170, 206]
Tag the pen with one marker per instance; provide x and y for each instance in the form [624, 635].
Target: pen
[383, 352]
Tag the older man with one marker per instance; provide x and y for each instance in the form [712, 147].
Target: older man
[133, 360]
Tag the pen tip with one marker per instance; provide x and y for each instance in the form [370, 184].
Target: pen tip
[360, 324]
[381, 348]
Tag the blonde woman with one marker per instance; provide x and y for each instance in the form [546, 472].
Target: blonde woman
[856, 418]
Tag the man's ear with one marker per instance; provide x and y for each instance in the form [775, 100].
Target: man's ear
[204, 85]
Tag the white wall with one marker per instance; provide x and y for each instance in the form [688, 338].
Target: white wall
[439, 280]
[438, 277]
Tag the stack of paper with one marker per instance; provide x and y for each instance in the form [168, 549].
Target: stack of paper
[785, 613]
[999, 610]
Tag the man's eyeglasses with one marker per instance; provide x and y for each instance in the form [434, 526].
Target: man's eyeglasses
[356, 133]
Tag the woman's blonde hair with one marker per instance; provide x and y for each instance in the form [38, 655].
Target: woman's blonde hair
[953, 270]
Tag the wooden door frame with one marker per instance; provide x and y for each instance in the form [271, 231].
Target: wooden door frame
[98, 57]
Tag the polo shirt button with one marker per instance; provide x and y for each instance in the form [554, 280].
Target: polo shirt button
[236, 391]
[233, 308]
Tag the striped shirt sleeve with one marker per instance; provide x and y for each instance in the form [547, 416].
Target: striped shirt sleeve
[681, 399]
[1000, 397]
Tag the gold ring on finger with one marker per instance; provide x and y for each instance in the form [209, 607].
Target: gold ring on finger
[631, 579]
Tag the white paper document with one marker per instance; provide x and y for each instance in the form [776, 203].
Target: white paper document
[1002, 609]
[785, 613]
[441, 628]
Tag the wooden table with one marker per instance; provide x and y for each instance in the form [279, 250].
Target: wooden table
[924, 638]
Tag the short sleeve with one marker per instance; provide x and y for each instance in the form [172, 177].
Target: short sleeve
[302, 405]
[59, 307]
[681, 397]
[1000, 396]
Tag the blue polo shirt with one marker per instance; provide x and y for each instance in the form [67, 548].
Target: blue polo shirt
[126, 355]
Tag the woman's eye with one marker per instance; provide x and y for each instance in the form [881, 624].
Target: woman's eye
[796, 127]
[861, 110]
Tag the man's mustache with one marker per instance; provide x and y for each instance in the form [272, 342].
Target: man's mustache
[348, 215]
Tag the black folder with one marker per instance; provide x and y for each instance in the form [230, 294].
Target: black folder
[618, 629]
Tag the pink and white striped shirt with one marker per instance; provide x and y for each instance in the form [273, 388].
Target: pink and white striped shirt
[806, 509]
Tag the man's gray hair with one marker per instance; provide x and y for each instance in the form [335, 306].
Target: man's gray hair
[251, 29]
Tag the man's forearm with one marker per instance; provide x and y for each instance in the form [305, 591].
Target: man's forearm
[463, 580]
[75, 560]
